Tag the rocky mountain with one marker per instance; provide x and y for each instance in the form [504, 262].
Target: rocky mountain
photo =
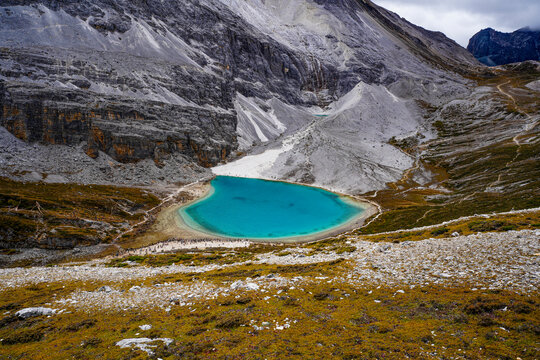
[137, 92]
[492, 47]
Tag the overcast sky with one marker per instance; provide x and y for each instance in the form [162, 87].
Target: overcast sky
[461, 19]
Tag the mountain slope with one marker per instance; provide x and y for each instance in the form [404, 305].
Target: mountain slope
[345, 149]
[340, 94]
[186, 85]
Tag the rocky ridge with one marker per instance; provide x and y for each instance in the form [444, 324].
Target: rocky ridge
[127, 81]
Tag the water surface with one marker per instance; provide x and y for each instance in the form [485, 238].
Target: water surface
[257, 209]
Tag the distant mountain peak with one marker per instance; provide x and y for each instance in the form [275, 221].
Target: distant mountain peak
[493, 47]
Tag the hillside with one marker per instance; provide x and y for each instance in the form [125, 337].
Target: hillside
[144, 93]
[115, 114]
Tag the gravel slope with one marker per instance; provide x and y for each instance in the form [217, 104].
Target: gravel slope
[508, 260]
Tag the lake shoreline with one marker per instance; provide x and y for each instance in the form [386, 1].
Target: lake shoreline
[171, 227]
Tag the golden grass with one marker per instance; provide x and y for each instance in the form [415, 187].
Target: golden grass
[326, 321]
[32, 212]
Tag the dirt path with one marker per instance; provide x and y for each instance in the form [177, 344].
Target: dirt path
[516, 139]
[464, 218]
[147, 213]
[528, 127]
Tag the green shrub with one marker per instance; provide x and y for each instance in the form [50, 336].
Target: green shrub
[91, 342]
[440, 231]
[195, 331]
[486, 225]
[231, 322]
[136, 258]
[482, 305]
[85, 324]
[23, 337]
[486, 320]
[346, 249]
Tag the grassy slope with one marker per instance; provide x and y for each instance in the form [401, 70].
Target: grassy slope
[33, 213]
[495, 178]
[333, 321]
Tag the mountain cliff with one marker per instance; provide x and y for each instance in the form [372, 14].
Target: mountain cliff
[492, 47]
[135, 92]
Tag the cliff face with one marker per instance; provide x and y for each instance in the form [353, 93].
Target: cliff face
[126, 130]
[496, 48]
[130, 80]
[190, 82]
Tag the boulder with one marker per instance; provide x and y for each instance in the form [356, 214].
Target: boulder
[34, 311]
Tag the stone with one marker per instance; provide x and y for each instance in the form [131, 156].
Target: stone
[142, 343]
[384, 247]
[135, 288]
[252, 286]
[106, 289]
[34, 311]
[236, 285]
[145, 327]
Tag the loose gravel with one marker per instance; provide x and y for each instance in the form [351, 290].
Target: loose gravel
[507, 260]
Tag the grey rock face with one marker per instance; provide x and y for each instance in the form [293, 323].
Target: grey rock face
[120, 117]
[121, 78]
[128, 131]
[432, 47]
[169, 83]
[201, 34]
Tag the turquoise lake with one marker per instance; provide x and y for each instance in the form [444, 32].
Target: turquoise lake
[260, 209]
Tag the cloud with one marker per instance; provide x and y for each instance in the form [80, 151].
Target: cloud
[461, 19]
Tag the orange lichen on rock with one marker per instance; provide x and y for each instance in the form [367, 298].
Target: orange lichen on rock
[92, 152]
[98, 136]
[123, 151]
[10, 111]
[14, 122]
[111, 115]
[76, 116]
[48, 130]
